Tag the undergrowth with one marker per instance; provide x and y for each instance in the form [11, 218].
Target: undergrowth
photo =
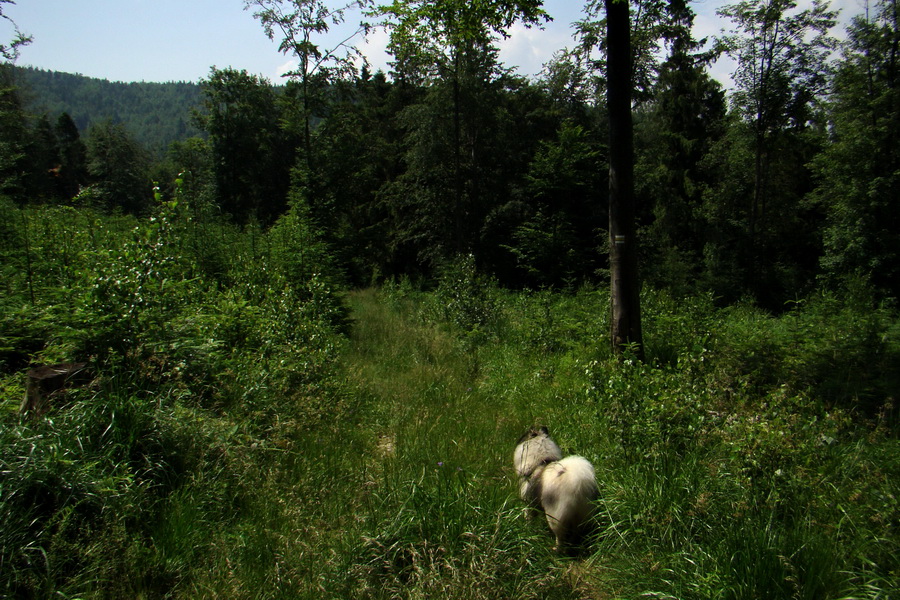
[253, 432]
[212, 351]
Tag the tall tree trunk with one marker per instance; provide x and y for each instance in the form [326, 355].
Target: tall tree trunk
[458, 234]
[307, 117]
[625, 325]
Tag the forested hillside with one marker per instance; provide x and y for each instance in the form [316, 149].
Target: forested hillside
[156, 114]
[297, 349]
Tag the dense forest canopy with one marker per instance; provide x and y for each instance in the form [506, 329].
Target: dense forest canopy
[784, 185]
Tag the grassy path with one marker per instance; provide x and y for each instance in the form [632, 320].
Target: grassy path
[443, 517]
[406, 489]
[422, 389]
[689, 505]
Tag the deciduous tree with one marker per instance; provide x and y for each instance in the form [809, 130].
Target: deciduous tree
[650, 23]
[625, 319]
[301, 24]
[859, 172]
[251, 157]
[10, 51]
[782, 73]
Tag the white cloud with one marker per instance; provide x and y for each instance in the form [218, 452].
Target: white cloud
[374, 48]
[709, 25]
[287, 67]
[526, 50]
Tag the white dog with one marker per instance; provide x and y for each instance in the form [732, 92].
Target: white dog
[564, 488]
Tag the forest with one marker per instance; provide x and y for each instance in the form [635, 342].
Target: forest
[767, 195]
[310, 329]
[155, 114]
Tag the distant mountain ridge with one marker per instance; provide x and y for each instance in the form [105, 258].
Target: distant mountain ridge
[156, 114]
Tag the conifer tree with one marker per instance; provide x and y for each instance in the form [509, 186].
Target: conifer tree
[43, 161]
[13, 135]
[679, 126]
[118, 167]
[72, 173]
[448, 45]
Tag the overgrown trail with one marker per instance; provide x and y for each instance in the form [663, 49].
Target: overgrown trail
[411, 493]
[428, 397]
[443, 417]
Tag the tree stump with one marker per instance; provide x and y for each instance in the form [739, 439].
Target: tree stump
[48, 382]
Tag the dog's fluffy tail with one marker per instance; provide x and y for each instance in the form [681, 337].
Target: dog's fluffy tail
[568, 495]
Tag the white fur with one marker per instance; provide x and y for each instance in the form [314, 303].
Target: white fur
[564, 488]
[534, 451]
[569, 488]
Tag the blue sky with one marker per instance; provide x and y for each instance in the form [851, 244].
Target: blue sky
[179, 40]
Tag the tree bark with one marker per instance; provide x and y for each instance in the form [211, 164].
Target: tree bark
[625, 322]
[44, 384]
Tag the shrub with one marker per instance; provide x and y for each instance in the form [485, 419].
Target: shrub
[126, 489]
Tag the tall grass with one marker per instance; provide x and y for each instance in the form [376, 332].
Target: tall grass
[441, 516]
[731, 473]
[245, 439]
[148, 481]
[726, 469]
